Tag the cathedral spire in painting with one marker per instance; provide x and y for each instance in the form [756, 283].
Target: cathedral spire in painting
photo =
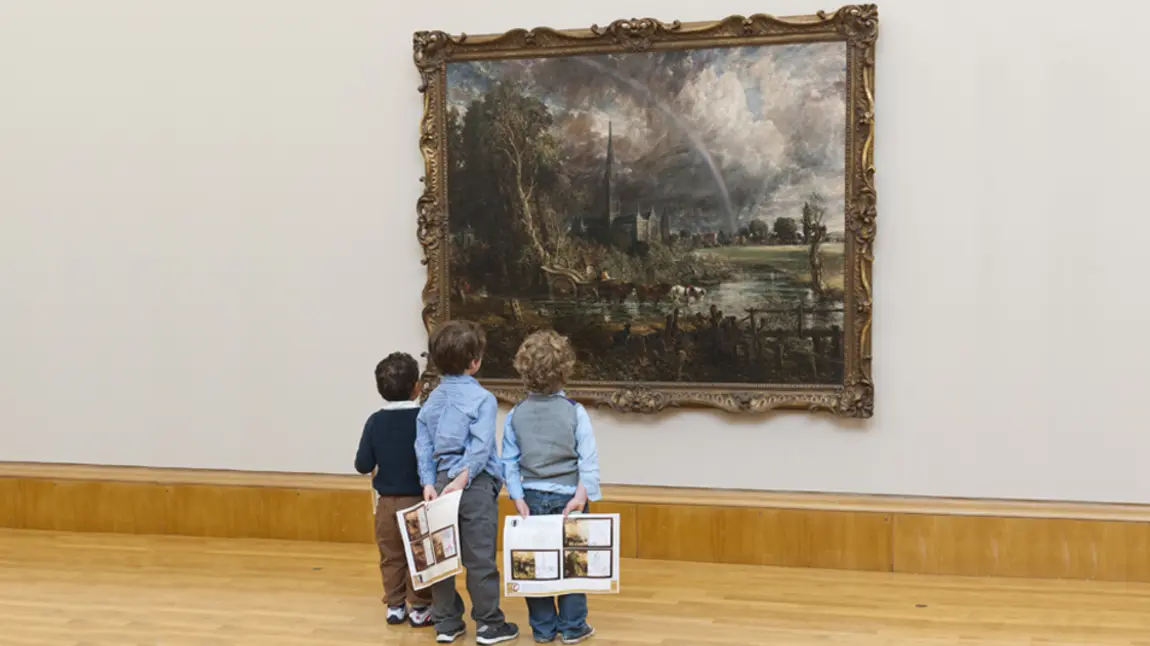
[610, 180]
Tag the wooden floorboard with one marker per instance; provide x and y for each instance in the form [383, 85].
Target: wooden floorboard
[66, 589]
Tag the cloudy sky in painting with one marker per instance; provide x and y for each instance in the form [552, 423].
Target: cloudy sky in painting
[750, 131]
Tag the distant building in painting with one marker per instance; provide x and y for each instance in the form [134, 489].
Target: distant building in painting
[643, 227]
[610, 225]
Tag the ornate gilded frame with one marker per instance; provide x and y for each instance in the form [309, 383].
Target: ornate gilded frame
[857, 25]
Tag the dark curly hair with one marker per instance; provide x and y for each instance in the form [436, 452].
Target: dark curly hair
[396, 377]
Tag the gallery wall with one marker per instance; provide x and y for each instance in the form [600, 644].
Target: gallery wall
[208, 237]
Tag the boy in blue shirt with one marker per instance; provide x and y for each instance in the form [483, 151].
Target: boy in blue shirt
[455, 447]
[551, 466]
[388, 447]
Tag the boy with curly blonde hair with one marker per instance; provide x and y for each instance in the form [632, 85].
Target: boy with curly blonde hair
[551, 465]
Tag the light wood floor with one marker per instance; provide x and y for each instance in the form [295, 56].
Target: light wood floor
[65, 589]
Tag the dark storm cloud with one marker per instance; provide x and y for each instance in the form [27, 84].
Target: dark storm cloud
[770, 119]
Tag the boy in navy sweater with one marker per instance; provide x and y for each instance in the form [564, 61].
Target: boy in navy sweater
[388, 448]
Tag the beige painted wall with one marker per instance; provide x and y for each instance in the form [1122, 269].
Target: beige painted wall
[208, 237]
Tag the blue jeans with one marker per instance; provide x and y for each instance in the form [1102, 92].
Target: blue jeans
[572, 614]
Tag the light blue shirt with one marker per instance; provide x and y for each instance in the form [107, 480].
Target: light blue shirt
[455, 430]
[584, 447]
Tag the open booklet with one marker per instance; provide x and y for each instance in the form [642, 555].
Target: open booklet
[545, 556]
[431, 539]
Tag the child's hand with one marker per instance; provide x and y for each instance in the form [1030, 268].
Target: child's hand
[521, 507]
[458, 484]
[577, 503]
[429, 493]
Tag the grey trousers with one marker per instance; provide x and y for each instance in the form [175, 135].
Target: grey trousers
[478, 531]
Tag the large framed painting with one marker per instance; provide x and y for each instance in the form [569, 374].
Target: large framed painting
[693, 205]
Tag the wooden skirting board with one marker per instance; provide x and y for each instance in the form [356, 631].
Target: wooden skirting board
[873, 533]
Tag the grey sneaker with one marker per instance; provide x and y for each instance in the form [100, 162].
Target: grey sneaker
[582, 635]
[396, 615]
[488, 635]
[448, 637]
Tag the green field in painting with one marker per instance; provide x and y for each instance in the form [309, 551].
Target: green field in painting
[788, 259]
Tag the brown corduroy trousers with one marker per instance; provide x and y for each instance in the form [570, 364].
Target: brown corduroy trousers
[397, 584]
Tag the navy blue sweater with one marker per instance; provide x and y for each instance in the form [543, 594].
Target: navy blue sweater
[389, 442]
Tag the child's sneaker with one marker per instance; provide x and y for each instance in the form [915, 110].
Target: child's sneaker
[580, 635]
[487, 635]
[396, 615]
[420, 617]
[448, 637]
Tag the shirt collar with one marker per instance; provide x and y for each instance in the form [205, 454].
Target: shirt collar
[403, 405]
[561, 393]
[459, 379]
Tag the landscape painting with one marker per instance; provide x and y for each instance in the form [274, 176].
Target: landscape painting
[696, 219]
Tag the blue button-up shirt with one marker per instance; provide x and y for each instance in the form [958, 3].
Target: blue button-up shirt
[584, 447]
[455, 430]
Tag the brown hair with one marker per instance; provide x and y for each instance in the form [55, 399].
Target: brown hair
[455, 345]
[396, 377]
[545, 361]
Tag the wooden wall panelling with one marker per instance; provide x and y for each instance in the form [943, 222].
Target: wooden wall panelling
[343, 516]
[274, 512]
[1022, 547]
[628, 525]
[782, 537]
[292, 515]
[225, 512]
[121, 507]
[187, 509]
[920, 536]
[11, 503]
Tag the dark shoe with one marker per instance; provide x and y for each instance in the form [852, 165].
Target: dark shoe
[396, 615]
[420, 617]
[582, 635]
[447, 638]
[487, 635]
[540, 639]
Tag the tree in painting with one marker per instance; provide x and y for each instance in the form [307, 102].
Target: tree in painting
[678, 214]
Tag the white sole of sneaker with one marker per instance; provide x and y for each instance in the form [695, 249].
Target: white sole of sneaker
[490, 641]
[447, 638]
[580, 640]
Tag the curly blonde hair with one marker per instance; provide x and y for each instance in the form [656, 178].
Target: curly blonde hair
[545, 362]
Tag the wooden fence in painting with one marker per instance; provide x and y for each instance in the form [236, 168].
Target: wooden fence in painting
[758, 342]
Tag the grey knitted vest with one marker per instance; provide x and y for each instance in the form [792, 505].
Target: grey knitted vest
[545, 428]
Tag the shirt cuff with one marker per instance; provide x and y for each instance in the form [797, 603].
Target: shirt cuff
[515, 490]
[454, 473]
[593, 493]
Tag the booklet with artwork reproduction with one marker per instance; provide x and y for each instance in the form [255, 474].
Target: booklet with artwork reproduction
[544, 556]
[431, 539]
